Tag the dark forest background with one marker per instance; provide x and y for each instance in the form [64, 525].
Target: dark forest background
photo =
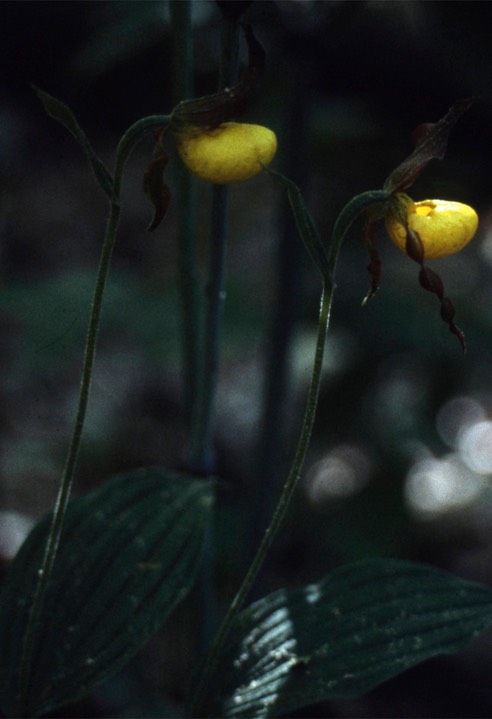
[401, 459]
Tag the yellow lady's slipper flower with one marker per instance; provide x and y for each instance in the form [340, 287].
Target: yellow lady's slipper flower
[443, 227]
[229, 153]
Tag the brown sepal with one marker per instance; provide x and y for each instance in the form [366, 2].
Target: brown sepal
[212, 110]
[431, 139]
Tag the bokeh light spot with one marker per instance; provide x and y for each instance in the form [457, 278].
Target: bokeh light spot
[342, 472]
[475, 445]
[435, 486]
[456, 416]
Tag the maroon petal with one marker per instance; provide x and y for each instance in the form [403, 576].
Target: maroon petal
[156, 189]
[375, 266]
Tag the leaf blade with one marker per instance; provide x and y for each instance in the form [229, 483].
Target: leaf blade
[362, 625]
[306, 226]
[63, 114]
[128, 555]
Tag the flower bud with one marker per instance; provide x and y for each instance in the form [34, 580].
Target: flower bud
[228, 153]
[443, 227]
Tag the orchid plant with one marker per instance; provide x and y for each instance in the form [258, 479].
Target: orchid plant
[95, 579]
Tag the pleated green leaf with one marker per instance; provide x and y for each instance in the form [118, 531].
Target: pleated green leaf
[363, 624]
[61, 112]
[128, 555]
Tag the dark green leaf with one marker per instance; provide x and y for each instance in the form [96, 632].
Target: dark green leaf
[61, 112]
[363, 624]
[305, 224]
[128, 554]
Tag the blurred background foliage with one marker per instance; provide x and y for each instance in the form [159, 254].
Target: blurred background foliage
[401, 459]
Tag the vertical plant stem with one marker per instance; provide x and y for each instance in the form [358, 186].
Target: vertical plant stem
[191, 311]
[202, 459]
[270, 465]
[125, 146]
[73, 451]
[202, 454]
[186, 192]
[281, 508]
[344, 221]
